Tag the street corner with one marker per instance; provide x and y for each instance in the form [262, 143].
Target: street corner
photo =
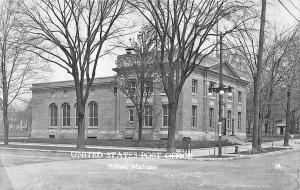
[277, 150]
[223, 157]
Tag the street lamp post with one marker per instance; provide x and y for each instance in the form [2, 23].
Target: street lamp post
[220, 98]
[221, 90]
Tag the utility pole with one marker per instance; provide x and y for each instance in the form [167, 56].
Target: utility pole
[220, 98]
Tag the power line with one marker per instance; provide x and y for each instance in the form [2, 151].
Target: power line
[288, 10]
[294, 5]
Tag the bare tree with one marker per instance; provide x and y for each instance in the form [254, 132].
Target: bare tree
[277, 52]
[18, 64]
[136, 75]
[183, 29]
[288, 89]
[250, 50]
[72, 34]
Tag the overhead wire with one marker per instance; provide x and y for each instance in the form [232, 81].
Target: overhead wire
[294, 5]
[288, 11]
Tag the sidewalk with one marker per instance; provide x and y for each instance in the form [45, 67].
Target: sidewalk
[67, 148]
[230, 150]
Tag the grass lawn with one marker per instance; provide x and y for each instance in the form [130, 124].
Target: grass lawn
[122, 142]
[266, 138]
[264, 150]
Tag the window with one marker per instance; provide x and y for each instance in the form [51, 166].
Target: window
[194, 86]
[53, 115]
[115, 91]
[65, 114]
[148, 115]
[76, 116]
[132, 86]
[212, 85]
[149, 86]
[229, 119]
[239, 96]
[239, 120]
[230, 95]
[93, 114]
[130, 111]
[194, 116]
[211, 117]
[165, 115]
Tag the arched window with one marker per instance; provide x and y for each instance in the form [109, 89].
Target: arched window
[93, 114]
[148, 115]
[53, 115]
[65, 114]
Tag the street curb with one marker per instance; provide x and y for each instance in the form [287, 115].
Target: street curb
[229, 158]
[287, 149]
[36, 150]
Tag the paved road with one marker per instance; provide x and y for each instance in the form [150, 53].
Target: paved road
[40, 170]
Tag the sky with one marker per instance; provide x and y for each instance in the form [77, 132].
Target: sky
[276, 13]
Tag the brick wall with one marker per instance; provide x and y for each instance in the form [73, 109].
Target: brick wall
[113, 113]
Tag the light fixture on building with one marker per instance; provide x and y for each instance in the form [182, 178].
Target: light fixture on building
[221, 92]
[129, 50]
[221, 89]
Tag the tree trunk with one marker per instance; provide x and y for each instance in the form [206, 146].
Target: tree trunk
[81, 123]
[6, 123]
[140, 135]
[259, 134]
[293, 123]
[5, 99]
[256, 146]
[288, 111]
[269, 111]
[172, 127]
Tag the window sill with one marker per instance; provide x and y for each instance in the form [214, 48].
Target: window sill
[148, 127]
[194, 94]
[130, 127]
[164, 127]
[53, 127]
[66, 127]
[92, 127]
[162, 94]
[212, 97]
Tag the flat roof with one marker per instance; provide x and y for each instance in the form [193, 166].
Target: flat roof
[70, 83]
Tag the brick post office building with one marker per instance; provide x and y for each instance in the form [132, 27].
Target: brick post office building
[110, 114]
